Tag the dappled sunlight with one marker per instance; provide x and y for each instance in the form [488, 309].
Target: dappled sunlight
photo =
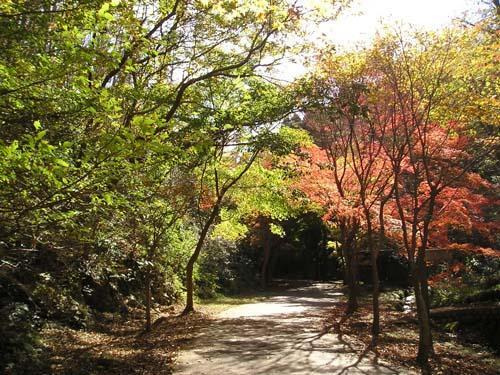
[265, 309]
[120, 347]
[282, 335]
[293, 301]
[174, 174]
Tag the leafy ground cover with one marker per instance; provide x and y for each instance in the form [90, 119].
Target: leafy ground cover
[114, 345]
[119, 347]
[398, 341]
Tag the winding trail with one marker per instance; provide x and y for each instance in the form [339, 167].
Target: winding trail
[280, 336]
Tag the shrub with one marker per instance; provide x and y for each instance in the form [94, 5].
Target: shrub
[476, 280]
[225, 266]
[19, 325]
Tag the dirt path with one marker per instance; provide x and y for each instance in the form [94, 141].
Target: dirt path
[280, 336]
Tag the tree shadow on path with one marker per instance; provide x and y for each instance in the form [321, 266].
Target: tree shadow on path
[282, 335]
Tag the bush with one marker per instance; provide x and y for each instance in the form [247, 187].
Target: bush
[474, 281]
[214, 272]
[225, 267]
[19, 325]
[57, 303]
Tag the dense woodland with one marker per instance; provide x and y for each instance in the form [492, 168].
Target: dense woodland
[152, 154]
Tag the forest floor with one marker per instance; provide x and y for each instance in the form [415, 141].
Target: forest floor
[113, 345]
[279, 331]
[281, 335]
[398, 341]
[291, 328]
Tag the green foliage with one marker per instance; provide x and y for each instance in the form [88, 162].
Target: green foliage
[19, 332]
[230, 228]
[478, 282]
[225, 266]
[59, 303]
[115, 115]
[214, 271]
[124, 124]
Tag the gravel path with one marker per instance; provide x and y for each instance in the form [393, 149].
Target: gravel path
[280, 336]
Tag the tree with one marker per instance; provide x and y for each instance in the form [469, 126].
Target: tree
[424, 145]
[151, 200]
[346, 83]
[111, 112]
[347, 130]
[87, 71]
[393, 123]
[262, 202]
[328, 182]
[91, 91]
[87, 88]
[230, 141]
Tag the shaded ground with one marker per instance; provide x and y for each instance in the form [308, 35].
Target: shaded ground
[118, 347]
[399, 340]
[282, 331]
[282, 335]
[115, 346]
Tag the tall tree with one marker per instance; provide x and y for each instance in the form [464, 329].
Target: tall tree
[230, 140]
[420, 79]
[346, 86]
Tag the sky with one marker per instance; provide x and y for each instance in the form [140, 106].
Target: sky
[358, 25]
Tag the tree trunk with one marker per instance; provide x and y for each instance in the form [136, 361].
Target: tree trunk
[425, 347]
[375, 296]
[375, 302]
[355, 276]
[351, 276]
[265, 262]
[422, 267]
[189, 284]
[423, 278]
[348, 233]
[272, 266]
[374, 251]
[148, 302]
[203, 234]
[194, 257]
[375, 275]
[151, 256]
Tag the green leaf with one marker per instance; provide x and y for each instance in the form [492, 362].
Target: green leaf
[103, 10]
[40, 135]
[108, 198]
[62, 163]
[277, 230]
